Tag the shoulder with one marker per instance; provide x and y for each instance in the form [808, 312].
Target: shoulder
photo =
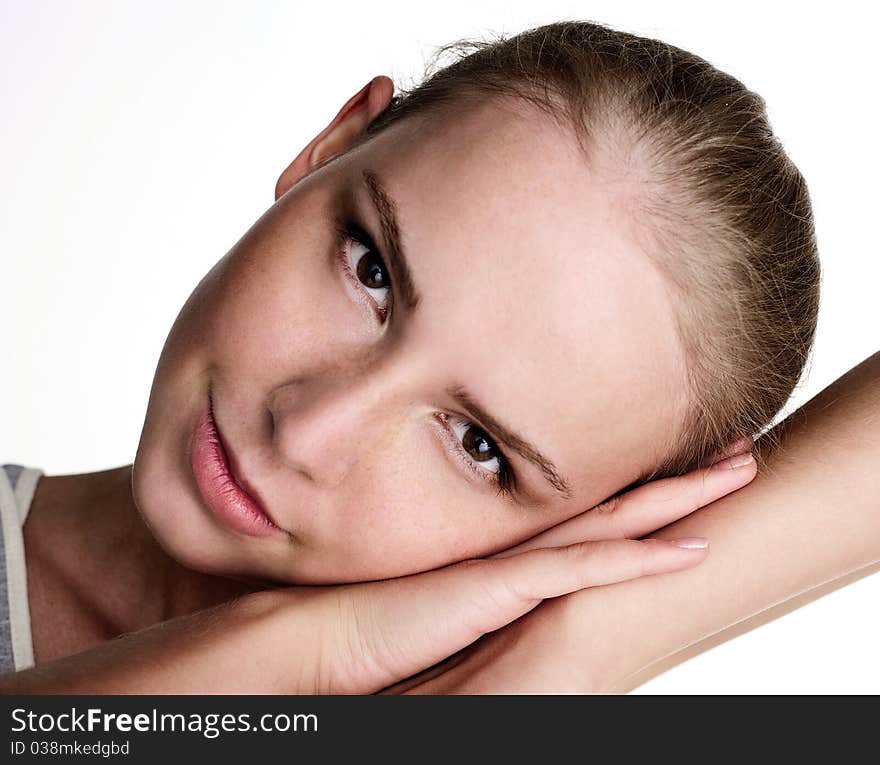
[17, 486]
[20, 484]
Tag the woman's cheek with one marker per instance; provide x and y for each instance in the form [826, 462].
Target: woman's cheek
[397, 515]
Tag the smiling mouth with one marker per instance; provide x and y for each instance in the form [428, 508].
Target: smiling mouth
[221, 490]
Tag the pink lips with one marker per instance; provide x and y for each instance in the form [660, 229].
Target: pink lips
[219, 487]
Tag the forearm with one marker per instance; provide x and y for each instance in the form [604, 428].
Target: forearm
[811, 518]
[243, 646]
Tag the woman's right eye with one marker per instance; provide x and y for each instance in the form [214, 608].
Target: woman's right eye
[365, 266]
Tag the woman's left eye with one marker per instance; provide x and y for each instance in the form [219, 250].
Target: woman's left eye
[367, 266]
[479, 453]
[477, 444]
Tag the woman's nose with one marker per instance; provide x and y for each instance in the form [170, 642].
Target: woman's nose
[323, 427]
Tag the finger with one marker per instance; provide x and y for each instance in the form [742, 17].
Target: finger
[741, 446]
[648, 507]
[398, 627]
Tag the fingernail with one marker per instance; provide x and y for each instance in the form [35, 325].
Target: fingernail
[736, 461]
[691, 543]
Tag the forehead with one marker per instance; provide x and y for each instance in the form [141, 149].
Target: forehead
[535, 294]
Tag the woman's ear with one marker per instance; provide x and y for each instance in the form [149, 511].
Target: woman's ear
[357, 113]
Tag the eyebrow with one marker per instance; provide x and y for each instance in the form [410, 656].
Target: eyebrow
[514, 441]
[387, 211]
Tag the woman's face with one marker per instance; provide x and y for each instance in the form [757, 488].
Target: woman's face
[512, 365]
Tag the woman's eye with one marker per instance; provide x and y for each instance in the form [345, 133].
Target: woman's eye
[371, 272]
[478, 453]
[477, 444]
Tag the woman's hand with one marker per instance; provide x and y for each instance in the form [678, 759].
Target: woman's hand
[530, 655]
[808, 524]
[360, 638]
[381, 632]
[653, 505]
[365, 636]
[356, 638]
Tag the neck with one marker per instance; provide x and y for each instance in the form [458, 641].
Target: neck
[88, 547]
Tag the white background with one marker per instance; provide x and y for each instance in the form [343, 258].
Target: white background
[140, 140]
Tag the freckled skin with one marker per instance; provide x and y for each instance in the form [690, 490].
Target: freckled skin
[533, 296]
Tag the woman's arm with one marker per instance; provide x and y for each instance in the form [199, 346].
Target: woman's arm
[206, 652]
[355, 638]
[807, 524]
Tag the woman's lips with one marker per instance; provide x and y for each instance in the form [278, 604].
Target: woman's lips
[219, 487]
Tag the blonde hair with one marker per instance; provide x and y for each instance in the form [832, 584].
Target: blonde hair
[725, 213]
